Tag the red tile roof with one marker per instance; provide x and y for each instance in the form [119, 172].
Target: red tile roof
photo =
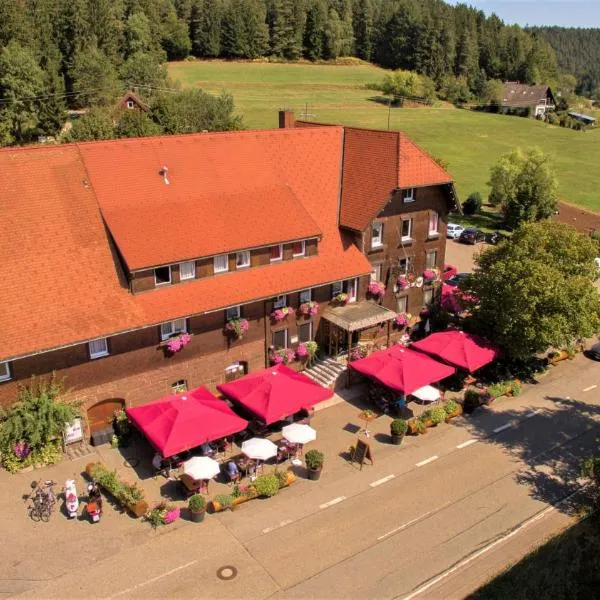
[62, 284]
[375, 164]
[214, 189]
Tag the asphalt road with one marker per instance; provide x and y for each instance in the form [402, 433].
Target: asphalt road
[430, 520]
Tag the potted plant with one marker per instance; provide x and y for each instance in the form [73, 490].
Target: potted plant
[266, 486]
[279, 314]
[401, 321]
[308, 309]
[402, 283]
[283, 356]
[429, 275]
[376, 289]
[197, 507]
[437, 415]
[237, 328]
[452, 409]
[341, 298]
[398, 428]
[177, 343]
[314, 463]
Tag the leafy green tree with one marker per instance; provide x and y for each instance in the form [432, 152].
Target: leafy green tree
[333, 35]
[314, 31]
[194, 110]
[96, 124]
[286, 23]
[21, 84]
[135, 123]
[472, 204]
[52, 109]
[524, 185]
[138, 35]
[362, 16]
[144, 69]
[234, 35]
[536, 290]
[175, 38]
[205, 27]
[95, 80]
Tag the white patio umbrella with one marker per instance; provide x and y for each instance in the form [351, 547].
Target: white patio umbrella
[297, 433]
[259, 449]
[201, 467]
[427, 393]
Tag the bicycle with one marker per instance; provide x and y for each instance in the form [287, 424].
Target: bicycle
[43, 500]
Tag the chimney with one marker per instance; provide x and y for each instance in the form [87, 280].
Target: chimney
[287, 119]
[163, 171]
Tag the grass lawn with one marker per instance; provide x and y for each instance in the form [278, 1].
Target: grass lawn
[469, 142]
[566, 567]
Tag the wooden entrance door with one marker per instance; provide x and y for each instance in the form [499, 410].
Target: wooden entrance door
[100, 415]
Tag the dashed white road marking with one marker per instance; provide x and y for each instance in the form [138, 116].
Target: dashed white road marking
[590, 387]
[427, 460]
[467, 443]
[282, 524]
[332, 502]
[419, 518]
[502, 427]
[533, 413]
[382, 480]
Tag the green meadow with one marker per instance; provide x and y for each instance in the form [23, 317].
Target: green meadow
[468, 142]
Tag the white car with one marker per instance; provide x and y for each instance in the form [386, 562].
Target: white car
[453, 231]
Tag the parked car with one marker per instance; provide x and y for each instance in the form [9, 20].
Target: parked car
[471, 236]
[594, 352]
[453, 230]
[449, 271]
[456, 279]
[495, 237]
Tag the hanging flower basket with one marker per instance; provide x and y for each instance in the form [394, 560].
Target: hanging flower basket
[308, 309]
[237, 328]
[175, 344]
[279, 314]
[376, 289]
[307, 350]
[358, 352]
[402, 320]
[285, 356]
[341, 299]
[402, 283]
[429, 275]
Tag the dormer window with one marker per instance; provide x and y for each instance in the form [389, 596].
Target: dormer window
[305, 296]
[408, 195]
[377, 235]
[162, 275]
[299, 248]
[171, 328]
[276, 253]
[98, 348]
[280, 302]
[221, 263]
[4, 371]
[187, 270]
[242, 259]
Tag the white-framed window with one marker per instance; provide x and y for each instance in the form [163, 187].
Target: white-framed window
[428, 296]
[171, 328]
[242, 259]
[130, 104]
[299, 248]
[234, 371]
[431, 259]
[377, 235]
[221, 263]
[280, 338]
[98, 348]
[408, 195]
[187, 270]
[406, 230]
[337, 288]
[305, 296]
[405, 265]
[402, 304]
[276, 252]
[352, 289]
[376, 272]
[162, 275]
[4, 371]
[233, 312]
[179, 386]
[305, 331]
[280, 301]
[434, 223]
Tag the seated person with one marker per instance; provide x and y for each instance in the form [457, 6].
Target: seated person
[207, 449]
[161, 467]
[232, 471]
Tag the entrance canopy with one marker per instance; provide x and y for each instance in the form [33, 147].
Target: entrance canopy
[358, 315]
[402, 369]
[463, 350]
[183, 421]
[275, 393]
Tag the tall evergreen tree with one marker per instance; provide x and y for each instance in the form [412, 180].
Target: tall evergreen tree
[363, 28]
[205, 27]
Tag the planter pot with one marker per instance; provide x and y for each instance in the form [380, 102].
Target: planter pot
[197, 517]
[456, 413]
[314, 474]
[397, 439]
[139, 509]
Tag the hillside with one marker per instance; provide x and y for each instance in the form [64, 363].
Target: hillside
[469, 142]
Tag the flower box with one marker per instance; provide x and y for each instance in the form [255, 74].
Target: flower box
[308, 309]
[402, 320]
[237, 328]
[376, 289]
[177, 343]
[284, 356]
[341, 299]
[279, 314]
[402, 283]
[429, 275]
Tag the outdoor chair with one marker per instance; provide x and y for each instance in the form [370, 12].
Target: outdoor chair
[190, 485]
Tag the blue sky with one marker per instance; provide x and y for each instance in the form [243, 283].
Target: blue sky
[567, 13]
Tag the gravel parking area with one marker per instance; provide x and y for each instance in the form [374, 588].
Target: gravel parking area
[461, 255]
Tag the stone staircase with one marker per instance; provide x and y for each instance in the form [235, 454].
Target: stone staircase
[75, 451]
[325, 371]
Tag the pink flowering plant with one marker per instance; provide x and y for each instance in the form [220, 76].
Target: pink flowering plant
[308, 309]
[279, 314]
[307, 350]
[21, 450]
[429, 275]
[401, 320]
[283, 356]
[172, 515]
[177, 343]
[162, 514]
[358, 352]
[402, 282]
[376, 289]
[237, 328]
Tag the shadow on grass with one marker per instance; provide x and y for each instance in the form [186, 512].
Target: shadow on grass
[567, 566]
[486, 220]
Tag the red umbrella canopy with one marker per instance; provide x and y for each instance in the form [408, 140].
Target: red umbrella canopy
[463, 350]
[183, 421]
[402, 369]
[275, 393]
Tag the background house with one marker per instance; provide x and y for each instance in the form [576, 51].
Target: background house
[520, 97]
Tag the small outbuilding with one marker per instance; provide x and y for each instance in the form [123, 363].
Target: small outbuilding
[585, 119]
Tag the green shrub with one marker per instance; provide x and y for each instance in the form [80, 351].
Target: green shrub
[398, 427]
[425, 415]
[472, 205]
[282, 478]
[314, 459]
[266, 485]
[128, 495]
[498, 389]
[155, 517]
[197, 503]
[451, 407]
[419, 426]
[438, 415]
[516, 387]
[225, 500]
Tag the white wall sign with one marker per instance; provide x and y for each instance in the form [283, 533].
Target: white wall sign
[73, 431]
